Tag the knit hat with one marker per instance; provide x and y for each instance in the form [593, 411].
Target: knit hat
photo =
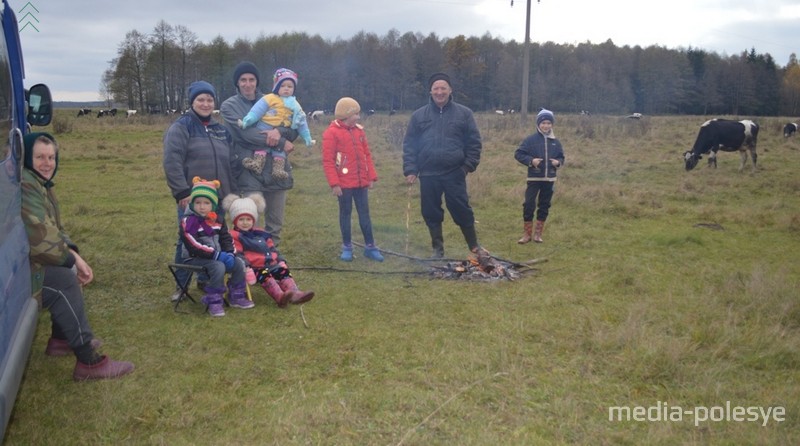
[243, 207]
[439, 77]
[204, 188]
[545, 115]
[252, 204]
[197, 88]
[242, 68]
[345, 108]
[29, 141]
[282, 74]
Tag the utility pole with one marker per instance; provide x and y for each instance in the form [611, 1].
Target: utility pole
[526, 66]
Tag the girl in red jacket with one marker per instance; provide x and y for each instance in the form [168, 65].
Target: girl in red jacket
[348, 167]
[264, 264]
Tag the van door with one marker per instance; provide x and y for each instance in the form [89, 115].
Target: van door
[18, 310]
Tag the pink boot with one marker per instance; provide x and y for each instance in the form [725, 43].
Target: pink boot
[296, 296]
[275, 292]
[105, 369]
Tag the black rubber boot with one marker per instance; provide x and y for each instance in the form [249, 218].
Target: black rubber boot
[471, 237]
[437, 241]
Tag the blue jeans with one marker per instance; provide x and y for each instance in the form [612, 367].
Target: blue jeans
[361, 198]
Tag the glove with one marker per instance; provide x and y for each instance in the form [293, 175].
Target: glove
[263, 275]
[227, 259]
[250, 276]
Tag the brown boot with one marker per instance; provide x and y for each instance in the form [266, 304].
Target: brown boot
[279, 168]
[526, 235]
[60, 347]
[105, 369]
[275, 292]
[296, 296]
[537, 232]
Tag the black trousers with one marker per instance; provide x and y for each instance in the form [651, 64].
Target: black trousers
[541, 192]
[453, 187]
[63, 297]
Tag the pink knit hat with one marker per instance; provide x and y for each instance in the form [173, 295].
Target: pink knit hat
[282, 74]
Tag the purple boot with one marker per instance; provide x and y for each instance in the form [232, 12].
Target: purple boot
[237, 296]
[214, 302]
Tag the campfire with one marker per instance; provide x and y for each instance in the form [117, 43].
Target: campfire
[482, 266]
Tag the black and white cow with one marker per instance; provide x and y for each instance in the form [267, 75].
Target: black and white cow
[790, 129]
[84, 111]
[725, 135]
[111, 112]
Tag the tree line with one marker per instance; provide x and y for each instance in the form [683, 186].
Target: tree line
[152, 71]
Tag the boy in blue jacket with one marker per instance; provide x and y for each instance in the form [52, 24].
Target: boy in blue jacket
[543, 155]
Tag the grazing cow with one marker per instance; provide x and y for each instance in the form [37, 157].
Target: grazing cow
[725, 135]
[500, 112]
[111, 112]
[317, 114]
[634, 116]
[84, 111]
[130, 113]
[790, 129]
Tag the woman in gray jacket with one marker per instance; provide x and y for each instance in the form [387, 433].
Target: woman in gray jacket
[196, 145]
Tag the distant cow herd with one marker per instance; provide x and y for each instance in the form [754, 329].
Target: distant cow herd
[714, 135]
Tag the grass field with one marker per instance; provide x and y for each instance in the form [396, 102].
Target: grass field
[663, 289]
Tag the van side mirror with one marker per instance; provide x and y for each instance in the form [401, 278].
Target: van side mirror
[40, 105]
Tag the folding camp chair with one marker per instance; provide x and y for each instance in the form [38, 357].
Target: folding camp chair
[184, 287]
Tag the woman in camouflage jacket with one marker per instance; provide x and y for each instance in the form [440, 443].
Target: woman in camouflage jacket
[58, 272]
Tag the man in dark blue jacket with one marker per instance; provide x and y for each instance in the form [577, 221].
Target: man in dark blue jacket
[442, 145]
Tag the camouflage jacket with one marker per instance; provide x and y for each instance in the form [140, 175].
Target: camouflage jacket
[49, 244]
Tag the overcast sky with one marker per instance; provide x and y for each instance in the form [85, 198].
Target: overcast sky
[74, 41]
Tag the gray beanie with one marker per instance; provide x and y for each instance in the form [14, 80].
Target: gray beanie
[545, 115]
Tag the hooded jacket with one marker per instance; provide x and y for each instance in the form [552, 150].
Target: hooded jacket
[257, 247]
[441, 140]
[346, 158]
[193, 149]
[49, 244]
[538, 145]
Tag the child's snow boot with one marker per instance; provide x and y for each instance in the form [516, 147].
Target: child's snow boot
[279, 168]
[214, 301]
[275, 292]
[295, 296]
[237, 297]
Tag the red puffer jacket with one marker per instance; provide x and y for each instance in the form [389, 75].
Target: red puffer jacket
[346, 159]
